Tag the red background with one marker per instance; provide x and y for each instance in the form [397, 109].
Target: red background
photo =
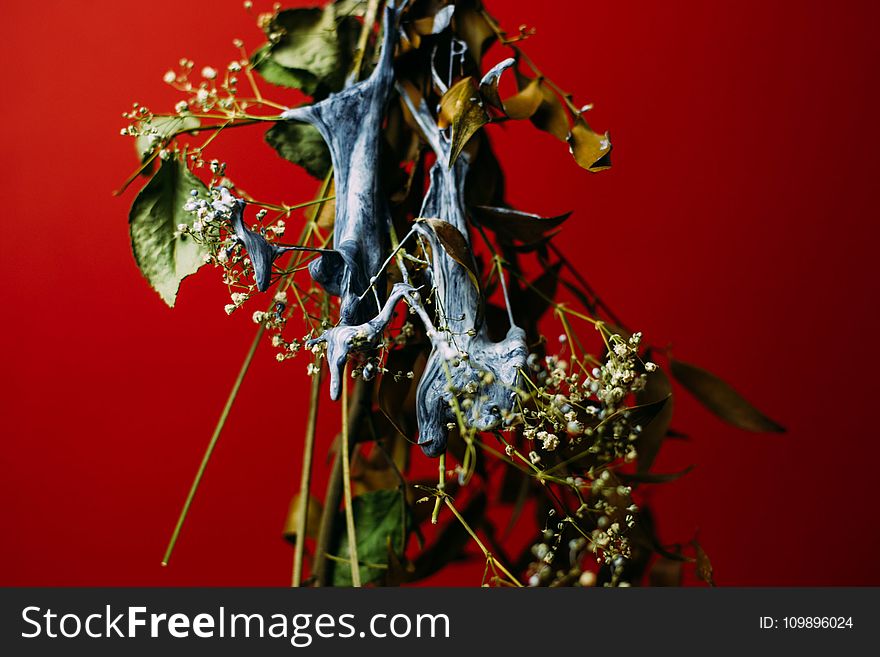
[737, 224]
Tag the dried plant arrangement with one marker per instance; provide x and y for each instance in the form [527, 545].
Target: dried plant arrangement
[444, 323]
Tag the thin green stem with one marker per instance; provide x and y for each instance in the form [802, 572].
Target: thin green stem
[441, 487]
[346, 488]
[211, 444]
[306, 480]
[490, 560]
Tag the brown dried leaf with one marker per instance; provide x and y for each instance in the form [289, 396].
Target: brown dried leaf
[720, 398]
[653, 478]
[512, 224]
[456, 246]
[590, 149]
[704, 566]
[648, 444]
[526, 103]
[462, 108]
[313, 520]
[325, 213]
[665, 572]
[400, 569]
[642, 414]
[484, 184]
[489, 83]
[538, 295]
[472, 28]
[551, 115]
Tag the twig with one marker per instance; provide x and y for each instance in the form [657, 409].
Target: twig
[306, 479]
[221, 422]
[346, 488]
[490, 560]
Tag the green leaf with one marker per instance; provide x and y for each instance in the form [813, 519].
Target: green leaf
[164, 258]
[313, 51]
[720, 398]
[380, 517]
[301, 144]
[166, 126]
[274, 73]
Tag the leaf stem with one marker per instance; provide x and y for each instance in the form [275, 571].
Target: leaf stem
[441, 487]
[306, 479]
[490, 560]
[221, 422]
[346, 487]
[369, 21]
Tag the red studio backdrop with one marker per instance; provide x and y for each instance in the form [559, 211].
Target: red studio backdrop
[738, 225]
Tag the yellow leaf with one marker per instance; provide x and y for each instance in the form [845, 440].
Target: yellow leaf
[551, 115]
[313, 521]
[462, 108]
[524, 104]
[470, 25]
[590, 149]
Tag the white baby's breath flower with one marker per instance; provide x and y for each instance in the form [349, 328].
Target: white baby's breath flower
[209, 73]
[550, 442]
[169, 77]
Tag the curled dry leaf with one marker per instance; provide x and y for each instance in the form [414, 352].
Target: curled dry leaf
[489, 83]
[525, 104]
[455, 244]
[551, 115]
[462, 108]
[590, 149]
[704, 566]
[428, 25]
[473, 28]
[720, 398]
